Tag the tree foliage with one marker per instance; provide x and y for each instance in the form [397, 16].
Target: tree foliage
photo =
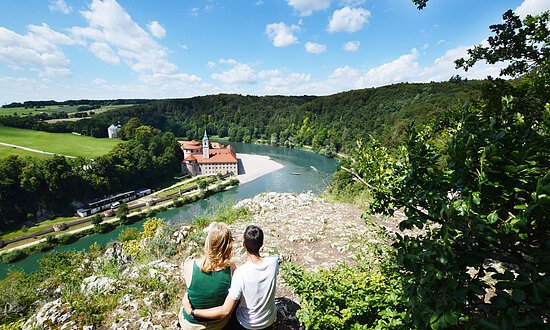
[477, 185]
[524, 43]
[31, 185]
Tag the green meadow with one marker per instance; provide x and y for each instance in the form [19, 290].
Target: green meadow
[59, 143]
[6, 151]
[22, 111]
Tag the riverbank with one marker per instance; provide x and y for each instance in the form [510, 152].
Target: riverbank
[306, 230]
[255, 166]
[251, 166]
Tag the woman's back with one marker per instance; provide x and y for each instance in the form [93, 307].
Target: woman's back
[209, 289]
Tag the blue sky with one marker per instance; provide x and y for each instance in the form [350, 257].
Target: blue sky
[102, 49]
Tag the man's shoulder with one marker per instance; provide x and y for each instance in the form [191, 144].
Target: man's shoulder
[272, 259]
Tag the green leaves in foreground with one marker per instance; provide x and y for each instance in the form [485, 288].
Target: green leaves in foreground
[348, 297]
[482, 200]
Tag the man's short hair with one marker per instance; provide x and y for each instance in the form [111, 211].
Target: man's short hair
[253, 239]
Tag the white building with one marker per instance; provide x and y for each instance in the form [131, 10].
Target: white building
[208, 158]
[113, 131]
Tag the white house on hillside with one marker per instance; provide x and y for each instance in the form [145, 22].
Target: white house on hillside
[113, 131]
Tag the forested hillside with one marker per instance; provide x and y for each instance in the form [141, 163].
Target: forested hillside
[329, 123]
[334, 121]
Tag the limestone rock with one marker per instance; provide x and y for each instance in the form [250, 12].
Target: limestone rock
[98, 284]
[52, 314]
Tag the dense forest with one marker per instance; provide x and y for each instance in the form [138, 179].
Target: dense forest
[33, 187]
[329, 124]
[475, 187]
[84, 102]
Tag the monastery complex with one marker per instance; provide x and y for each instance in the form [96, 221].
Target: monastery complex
[208, 158]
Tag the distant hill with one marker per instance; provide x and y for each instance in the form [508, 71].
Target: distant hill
[327, 123]
[337, 120]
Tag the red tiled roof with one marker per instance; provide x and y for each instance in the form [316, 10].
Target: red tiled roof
[190, 157]
[190, 145]
[214, 158]
[218, 158]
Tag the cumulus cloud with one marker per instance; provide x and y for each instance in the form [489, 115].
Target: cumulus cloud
[307, 7]
[60, 6]
[351, 46]
[104, 52]
[348, 19]
[281, 35]
[532, 7]
[38, 49]
[290, 84]
[269, 73]
[157, 30]
[315, 48]
[110, 26]
[239, 73]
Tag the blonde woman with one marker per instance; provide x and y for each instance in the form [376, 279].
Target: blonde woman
[208, 279]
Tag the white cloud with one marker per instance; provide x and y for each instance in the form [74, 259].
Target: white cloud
[307, 7]
[110, 24]
[405, 68]
[104, 52]
[352, 3]
[157, 30]
[351, 46]
[315, 48]
[281, 35]
[425, 46]
[269, 73]
[348, 19]
[99, 81]
[238, 74]
[194, 11]
[38, 49]
[60, 6]
[291, 84]
[440, 41]
[184, 46]
[532, 7]
[402, 69]
[211, 64]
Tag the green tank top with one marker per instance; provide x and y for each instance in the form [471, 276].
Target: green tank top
[207, 289]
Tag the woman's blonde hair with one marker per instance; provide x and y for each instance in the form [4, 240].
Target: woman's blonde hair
[217, 248]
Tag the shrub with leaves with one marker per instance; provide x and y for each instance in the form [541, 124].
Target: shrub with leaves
[349, 297]
[150, 227]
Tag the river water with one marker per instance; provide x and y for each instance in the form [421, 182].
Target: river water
[314, 171]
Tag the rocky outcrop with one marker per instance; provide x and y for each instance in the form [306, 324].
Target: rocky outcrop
[53, 314]
[97, 284]
[305, 229]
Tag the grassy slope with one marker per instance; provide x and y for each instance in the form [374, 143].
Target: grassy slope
[62, 143]
[21, 111]
[8, 151]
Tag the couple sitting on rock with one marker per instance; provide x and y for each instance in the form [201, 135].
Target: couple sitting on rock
[215, 287]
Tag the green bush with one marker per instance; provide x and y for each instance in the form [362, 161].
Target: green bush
[12, 256]
[128, 234]
[348, 297]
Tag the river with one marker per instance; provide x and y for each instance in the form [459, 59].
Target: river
[314, 171]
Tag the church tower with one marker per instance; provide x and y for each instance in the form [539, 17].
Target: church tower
[205, 146]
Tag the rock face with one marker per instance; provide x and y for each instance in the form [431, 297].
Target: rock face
[51, 314]
[116, 253]
[95, 284]
[305, 229]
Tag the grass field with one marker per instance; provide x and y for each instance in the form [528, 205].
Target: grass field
[60, 143]
[7, 151]
[21, 111]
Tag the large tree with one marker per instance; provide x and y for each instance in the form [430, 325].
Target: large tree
[477, 186]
